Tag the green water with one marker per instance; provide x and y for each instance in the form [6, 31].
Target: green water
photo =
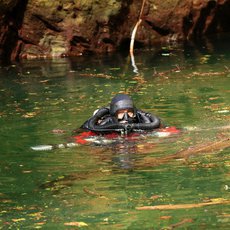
[101, 186]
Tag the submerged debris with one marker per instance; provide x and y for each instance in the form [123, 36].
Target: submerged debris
[184, 206]
[192, 150]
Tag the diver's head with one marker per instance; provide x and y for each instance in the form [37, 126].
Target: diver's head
[122, 108]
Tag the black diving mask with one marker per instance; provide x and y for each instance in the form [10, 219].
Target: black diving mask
[125, 116]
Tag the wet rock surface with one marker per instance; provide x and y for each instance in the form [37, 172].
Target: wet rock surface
[41, 28]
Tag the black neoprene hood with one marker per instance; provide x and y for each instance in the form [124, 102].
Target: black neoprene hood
[121, 101]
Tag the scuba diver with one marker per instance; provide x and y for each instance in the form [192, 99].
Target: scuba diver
[121, 116]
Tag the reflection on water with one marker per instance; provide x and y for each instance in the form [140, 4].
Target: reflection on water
[100, 186]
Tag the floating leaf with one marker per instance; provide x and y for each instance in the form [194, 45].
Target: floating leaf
[44, 81]
[36, 215]
[26, 171]
[165, 217]
[58, 131]
[5, 201]
[18, 220]
[165, 54]
[29, 115]
[115, 68]
[223, 111]
[77, 224]
[154, 197]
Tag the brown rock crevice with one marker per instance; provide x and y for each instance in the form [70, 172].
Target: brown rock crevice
[208, 18]
[10, 23]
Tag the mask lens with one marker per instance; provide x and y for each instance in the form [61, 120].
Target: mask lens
[131, 114]
[121, 114]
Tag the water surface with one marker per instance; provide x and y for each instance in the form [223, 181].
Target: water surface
[100, 187]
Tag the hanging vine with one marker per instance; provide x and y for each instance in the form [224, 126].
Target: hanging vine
[133, 35]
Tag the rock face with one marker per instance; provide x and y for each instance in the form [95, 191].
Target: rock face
[44, 28]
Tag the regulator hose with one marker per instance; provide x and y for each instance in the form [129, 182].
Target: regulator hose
[92, 123]
[151, 122]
